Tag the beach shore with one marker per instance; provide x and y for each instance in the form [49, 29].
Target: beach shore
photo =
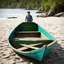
[54, 25]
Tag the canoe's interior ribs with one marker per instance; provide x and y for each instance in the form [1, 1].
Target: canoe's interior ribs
[28, 36]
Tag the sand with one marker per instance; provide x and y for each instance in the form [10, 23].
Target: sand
[54, 25]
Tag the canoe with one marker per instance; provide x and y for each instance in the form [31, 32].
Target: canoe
[31, 40]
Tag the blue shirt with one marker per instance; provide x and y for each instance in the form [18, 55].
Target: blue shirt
[29, 18]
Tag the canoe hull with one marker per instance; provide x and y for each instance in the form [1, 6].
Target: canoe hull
[40, 53]
[37, 54]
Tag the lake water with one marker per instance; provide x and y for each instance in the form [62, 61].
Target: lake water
[4, 13]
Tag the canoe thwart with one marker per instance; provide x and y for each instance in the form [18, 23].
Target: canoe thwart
[27, 34]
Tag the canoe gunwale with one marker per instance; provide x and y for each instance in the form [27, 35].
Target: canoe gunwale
[54, 42]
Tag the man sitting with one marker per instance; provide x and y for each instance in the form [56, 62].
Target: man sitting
[29, 17]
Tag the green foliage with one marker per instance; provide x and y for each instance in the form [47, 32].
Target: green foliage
[43, 5]
[47, 5]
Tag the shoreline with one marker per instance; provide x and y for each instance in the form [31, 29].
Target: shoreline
[54, 25]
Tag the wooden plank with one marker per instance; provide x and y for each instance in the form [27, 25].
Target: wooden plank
[29, 46]
[23, 48]
[28, 38]
[42, 37]
[27, 32]
[52, 43]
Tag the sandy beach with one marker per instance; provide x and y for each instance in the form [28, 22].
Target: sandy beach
[54, 25]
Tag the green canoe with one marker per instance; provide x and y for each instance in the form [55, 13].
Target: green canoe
[31, 40]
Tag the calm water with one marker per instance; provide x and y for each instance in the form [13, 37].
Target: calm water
[4, 13]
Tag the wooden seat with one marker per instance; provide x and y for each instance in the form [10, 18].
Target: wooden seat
[29, 38]
[27, 34]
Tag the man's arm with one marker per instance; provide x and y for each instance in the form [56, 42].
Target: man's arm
[25, 18]
[32, 18]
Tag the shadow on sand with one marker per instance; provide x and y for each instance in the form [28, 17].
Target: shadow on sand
[55, 57]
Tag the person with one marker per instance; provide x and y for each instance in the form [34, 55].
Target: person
[28, 17]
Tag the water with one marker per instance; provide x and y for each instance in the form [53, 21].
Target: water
[4, 13]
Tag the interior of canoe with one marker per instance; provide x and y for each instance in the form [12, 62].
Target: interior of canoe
[27, 37]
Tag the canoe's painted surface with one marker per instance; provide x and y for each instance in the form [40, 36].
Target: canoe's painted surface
[48, 50]
[47, 34]
[27, 27]
[36, 54]
[51, 37]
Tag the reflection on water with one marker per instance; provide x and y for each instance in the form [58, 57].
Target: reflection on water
[15, 13]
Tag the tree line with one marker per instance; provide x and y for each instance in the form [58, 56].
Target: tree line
[42, 5]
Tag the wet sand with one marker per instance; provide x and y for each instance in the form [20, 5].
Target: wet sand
[54, 25]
